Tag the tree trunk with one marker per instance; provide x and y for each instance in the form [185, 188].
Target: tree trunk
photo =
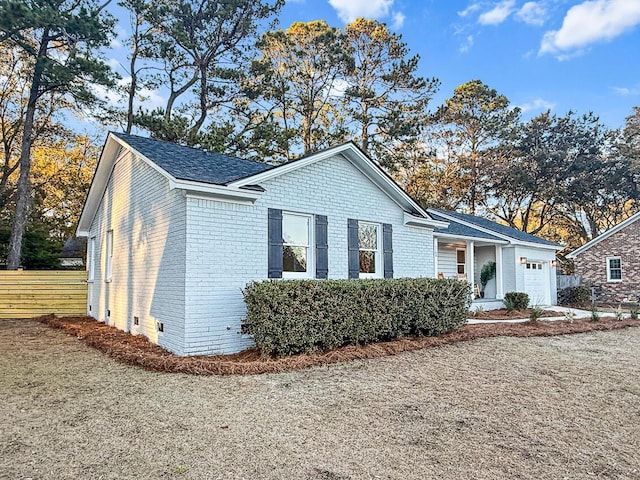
[23, 191]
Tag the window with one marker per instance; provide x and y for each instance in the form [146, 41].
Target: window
[92, 259]
[461, 261]
[534, 266]
[614, 269]
[369, 250]
[296, 242]
[109, 256]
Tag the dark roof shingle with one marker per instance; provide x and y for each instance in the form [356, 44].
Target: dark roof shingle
[497, 228]
[456, 228]
[186, 163]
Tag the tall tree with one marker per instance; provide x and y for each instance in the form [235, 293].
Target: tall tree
[629, 143]
[385, 100]
[60, 39]
[475, 122]
[301, 71]
[201, 44]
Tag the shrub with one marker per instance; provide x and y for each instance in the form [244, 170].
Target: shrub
[516, 301]
[570, 316]
[634, 310]
[286, 317]
[619, 313]
[579, 296]
[535, 314]
[595, 316]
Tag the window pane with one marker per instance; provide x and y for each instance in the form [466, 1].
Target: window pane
[614, 263]
[295, 229]
[615, 274]
[461, 256]
[367, 262]
[294, 259]
[368, 236]
[460, 268]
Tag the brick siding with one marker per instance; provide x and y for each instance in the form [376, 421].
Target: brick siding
[592, 265]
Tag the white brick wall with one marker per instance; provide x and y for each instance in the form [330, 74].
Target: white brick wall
[148, 223]
[227, 244]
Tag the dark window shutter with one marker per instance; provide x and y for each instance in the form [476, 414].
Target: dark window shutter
[387, 249]
[275, 243]
[322, 253]
[353, 243]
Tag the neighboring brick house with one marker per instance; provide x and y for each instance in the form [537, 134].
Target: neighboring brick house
[611, 262]
[175, 234]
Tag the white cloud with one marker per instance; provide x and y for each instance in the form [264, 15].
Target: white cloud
[497, 14]
[114, 63]
[532, 13]
[627, 91]
[590, 22]
[537, 104]
[146, 98]
[349, 10]
[398, 20]
[466, 46]
[470, 9]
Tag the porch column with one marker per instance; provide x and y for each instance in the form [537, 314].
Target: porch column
[470, 264]
[435, 257]
[499, 283]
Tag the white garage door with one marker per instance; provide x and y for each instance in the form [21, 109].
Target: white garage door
[536, 283]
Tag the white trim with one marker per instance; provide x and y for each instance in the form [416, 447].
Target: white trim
[465, 237]
[499, 279]
[509, 239]
[108, 269]
[413, 221]
[91, 260]
[379, 259]
[604, 236]
[216, 192]
[310, 273]
[609, 279]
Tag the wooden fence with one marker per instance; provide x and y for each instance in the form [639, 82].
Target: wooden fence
[564, 281]
[31, 293]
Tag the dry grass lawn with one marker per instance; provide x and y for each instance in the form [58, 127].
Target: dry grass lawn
[496, 408]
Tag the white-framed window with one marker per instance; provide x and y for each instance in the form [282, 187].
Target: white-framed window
[297, 239]
[534, 266]
[614, 269]
[109, 256]
[91, 259]
[369, 250]
[461, 262]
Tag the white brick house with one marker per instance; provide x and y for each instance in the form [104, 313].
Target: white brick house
[174, 235]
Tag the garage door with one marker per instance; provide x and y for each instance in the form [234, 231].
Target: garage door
[535, 283]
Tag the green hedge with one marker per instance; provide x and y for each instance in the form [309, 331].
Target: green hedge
[287, 317]
[516, 300]
[579, 296]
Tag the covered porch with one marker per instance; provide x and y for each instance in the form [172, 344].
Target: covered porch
[465, 259]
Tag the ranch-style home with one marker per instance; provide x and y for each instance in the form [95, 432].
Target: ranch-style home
[175, 233]
[611, 262]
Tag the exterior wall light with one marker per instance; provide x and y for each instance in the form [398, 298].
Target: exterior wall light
[554, 263]
[523, 260]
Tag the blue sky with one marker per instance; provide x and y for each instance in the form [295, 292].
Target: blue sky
[580, 55]
[557, 54]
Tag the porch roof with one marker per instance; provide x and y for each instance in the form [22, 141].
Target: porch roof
[460, 230]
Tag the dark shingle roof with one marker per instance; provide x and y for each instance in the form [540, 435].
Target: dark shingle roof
[456, 228]
[187, 163]
[497, 228]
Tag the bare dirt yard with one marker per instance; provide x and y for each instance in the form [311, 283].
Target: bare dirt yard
[563, 407]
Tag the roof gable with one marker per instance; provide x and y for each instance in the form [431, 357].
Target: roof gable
[230, 178]
[605, 235]
[491, 227]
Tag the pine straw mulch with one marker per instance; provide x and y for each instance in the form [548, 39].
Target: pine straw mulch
[504, 314]
[137, 350]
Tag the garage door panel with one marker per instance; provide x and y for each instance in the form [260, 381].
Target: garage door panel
[535, 283]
